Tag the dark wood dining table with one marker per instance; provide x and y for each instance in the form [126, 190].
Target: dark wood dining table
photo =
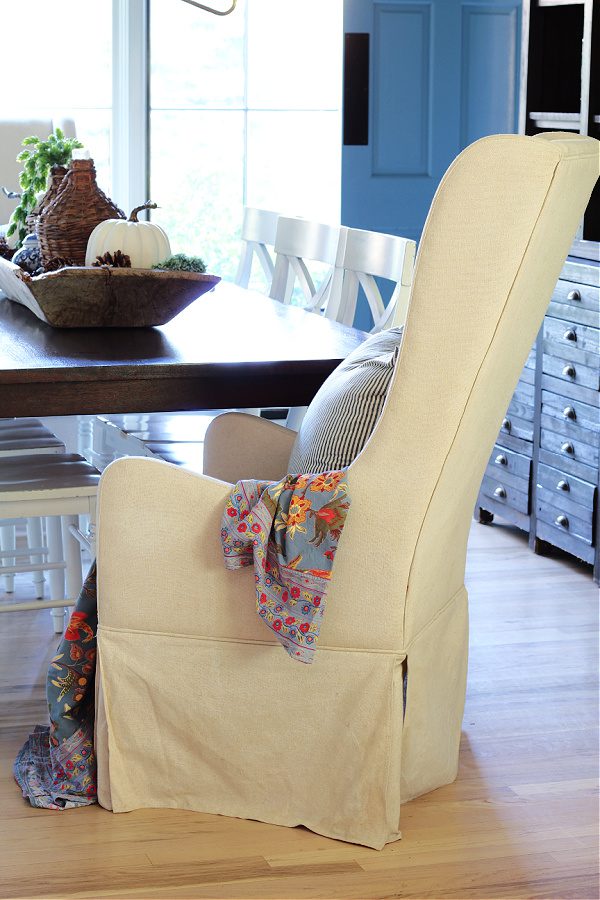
[230, 348]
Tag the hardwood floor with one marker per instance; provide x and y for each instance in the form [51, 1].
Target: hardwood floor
[520, 821]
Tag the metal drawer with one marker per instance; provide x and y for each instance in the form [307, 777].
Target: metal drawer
[569, 389]
[568, 520]
[517, 425]
[503, 460]
[564, 485]
[558, 537]
[519, 445]
[569, 448]
[576, 421]
[571, 334]
[572, 372]
[577, 302]
[567, 464]
[515, 495]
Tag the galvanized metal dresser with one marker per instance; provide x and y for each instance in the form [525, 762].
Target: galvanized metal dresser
[543, 474]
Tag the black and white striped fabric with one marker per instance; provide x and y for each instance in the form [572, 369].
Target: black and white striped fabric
[345, 411]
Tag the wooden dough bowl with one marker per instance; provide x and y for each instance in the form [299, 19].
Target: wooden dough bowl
[85, 297]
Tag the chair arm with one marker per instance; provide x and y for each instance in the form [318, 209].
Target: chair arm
[238, 445]
[160, 562]
[161, 569]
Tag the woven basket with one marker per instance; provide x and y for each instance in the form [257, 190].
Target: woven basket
[66, 224]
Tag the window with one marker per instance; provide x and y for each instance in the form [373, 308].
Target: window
[245, 110]
[56, 62]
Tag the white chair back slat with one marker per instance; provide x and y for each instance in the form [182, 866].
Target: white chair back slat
[258, 234]
[298, 240]
[362, 257]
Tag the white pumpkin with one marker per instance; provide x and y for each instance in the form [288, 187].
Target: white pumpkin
[145, 243]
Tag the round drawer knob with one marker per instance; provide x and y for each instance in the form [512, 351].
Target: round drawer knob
[500, 493]
[506, 425]
[562, 521]
[501, 460]
[563, 485]
[570, 335]
[569, 371]
[573, 295]
[568, 448]
[569, 413]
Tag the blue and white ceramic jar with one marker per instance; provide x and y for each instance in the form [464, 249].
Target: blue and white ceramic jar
[29, 255]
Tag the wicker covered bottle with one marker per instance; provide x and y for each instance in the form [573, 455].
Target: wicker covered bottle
[55, 180]
[66, 224]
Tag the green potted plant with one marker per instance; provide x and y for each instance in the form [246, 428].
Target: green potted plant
[38, 158]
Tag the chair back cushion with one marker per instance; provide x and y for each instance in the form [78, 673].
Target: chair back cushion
[498, 232]
[345, 410]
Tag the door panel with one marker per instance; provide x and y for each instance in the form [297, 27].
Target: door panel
[442, 73]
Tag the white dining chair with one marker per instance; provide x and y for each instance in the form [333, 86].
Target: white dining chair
[59, 487]
[27, 437]
[363, 256]
[258, 234]
[296, 241]
[139, 434]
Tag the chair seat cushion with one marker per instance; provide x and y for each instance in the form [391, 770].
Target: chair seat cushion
[345, 410]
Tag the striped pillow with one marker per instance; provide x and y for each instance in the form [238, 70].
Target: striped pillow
[345, 410]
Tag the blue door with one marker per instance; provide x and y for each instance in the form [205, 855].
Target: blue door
[423, 79]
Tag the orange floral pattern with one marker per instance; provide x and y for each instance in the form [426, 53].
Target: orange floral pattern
[289, 530]
[56, 767]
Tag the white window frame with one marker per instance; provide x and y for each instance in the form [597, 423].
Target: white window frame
[130, 99]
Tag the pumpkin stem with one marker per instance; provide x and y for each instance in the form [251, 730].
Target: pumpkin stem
[133, 217]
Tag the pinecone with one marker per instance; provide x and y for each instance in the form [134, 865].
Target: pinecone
[58, 262]
[5, 251]
[118, 260]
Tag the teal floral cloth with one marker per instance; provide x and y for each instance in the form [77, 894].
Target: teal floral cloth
[56, 767]
[289, 530]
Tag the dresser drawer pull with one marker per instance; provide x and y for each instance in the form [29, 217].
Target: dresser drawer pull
[569, 371]
[573, 295]
[569, 413]
[562, 521]
[500, 493]
[570, 335]
[501, 460]
[563, 486]
[506, 425]
[568, 448]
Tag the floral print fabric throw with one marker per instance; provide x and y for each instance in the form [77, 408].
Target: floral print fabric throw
[56, 767]
[290, 531]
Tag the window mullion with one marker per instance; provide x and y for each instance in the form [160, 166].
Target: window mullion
[129, 143]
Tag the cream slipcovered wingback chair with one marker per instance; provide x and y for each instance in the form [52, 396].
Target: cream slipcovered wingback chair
[198, 707]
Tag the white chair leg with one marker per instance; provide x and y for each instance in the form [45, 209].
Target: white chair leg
[56, 577]
[8, 542]
[85, 435]
[72, 554]
[91, 530]
[34, 539]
